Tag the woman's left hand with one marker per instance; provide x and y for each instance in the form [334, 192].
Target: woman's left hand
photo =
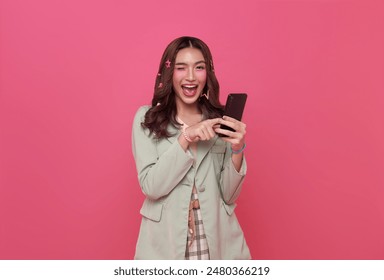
[236, 138]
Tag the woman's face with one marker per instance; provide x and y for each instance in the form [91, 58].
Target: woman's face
[189, 76]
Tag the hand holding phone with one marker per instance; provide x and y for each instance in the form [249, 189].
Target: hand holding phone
[234, 108]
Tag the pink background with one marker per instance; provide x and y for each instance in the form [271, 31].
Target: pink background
[73, 73]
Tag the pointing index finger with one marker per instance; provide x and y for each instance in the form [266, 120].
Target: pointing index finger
[215, 121]
[229, 119]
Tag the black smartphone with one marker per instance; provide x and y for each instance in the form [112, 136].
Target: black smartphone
[234, 108]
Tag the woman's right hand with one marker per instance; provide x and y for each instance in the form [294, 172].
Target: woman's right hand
[203, 130]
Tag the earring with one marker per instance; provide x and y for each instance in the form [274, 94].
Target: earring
[206, 95]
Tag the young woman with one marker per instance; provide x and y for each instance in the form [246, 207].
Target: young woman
[190, 176]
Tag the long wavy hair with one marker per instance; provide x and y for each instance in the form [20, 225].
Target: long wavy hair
[163, 111]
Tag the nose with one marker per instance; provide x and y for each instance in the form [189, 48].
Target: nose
[190, 75]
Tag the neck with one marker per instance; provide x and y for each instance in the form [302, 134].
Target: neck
[187, 110]
[189, 114]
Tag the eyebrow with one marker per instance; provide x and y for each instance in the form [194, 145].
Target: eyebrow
[183, 63]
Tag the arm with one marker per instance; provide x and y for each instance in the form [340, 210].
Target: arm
[158, 175]
[234, 167]
[231, 180]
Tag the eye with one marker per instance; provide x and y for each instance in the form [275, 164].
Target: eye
[179, 68]
[200, 67]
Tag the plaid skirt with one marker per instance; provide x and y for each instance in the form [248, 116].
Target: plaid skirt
[198, 250]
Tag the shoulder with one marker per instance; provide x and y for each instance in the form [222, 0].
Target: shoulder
[140, 113]
[143, 110]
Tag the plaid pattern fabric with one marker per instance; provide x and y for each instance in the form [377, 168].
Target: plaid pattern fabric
[199, 248]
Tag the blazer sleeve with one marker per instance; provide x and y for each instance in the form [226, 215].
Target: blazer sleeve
[231, 181]
[157, 175]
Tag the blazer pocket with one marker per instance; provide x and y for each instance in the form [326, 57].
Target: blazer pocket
[152, 210]
[218, 149]
[229, 208]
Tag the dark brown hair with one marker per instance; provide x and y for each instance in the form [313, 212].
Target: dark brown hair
[163, 111]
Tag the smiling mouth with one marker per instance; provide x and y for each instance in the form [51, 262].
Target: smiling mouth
[189, 90]
[189, 86]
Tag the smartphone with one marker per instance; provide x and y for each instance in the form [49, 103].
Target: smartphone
[234, 108]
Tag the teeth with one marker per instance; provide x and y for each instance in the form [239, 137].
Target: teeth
[190, 87]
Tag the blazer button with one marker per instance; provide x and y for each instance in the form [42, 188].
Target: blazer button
[202, 188]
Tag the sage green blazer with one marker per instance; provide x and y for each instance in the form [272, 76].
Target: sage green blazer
[166, 175]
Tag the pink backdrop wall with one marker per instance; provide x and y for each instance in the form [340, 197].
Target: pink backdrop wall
[73, 73]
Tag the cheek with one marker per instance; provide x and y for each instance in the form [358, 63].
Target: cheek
[201, 76]
[175, 79]
[177, 76]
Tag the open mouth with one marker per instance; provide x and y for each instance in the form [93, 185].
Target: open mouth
[189, 90]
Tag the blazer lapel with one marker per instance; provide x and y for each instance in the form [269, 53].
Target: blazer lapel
[175, 132]
[203, 148]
